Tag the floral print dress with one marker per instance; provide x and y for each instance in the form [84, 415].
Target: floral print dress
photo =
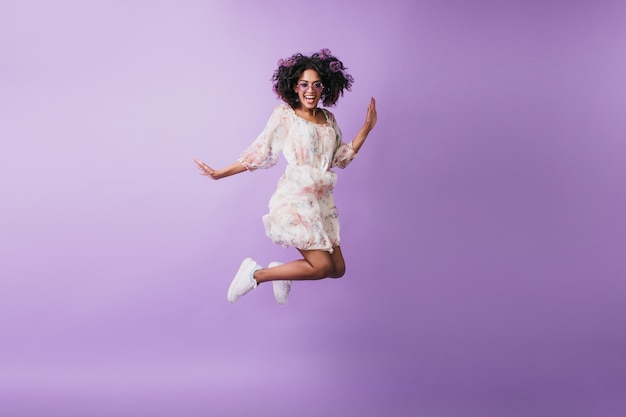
[302, 212]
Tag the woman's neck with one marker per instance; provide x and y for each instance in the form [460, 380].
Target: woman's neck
[308, 112]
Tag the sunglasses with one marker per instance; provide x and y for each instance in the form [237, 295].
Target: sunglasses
[304, 85]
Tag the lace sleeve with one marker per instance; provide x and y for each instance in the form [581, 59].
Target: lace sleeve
[264, 151]
[344, 153]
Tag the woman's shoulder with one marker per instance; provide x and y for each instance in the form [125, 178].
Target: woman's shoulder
[282, 111]
[326, 111]
[282, 115]
[329, 115]
[283, 108]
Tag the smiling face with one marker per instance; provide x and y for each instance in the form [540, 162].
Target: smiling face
[309, 89]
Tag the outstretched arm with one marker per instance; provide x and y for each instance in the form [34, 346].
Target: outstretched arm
[216, 174]
[370, 122]
[262, 153]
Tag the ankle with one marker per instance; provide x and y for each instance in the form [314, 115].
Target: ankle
[257, 277]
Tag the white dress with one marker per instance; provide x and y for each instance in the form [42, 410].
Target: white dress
[302, 212]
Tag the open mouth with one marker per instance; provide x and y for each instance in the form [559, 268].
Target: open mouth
[310, 99]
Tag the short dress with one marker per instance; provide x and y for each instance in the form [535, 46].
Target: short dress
[302, 211]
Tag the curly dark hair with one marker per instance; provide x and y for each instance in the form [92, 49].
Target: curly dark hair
[330, 69]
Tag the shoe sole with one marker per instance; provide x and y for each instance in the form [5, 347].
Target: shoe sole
[245, 264]
[276, 283]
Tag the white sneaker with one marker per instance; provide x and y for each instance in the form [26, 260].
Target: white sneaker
[281, 288]
[244, 281]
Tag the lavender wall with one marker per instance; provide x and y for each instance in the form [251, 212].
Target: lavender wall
[483, 224]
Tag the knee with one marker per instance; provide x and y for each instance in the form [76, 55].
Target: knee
[338, 271]
[323, 270]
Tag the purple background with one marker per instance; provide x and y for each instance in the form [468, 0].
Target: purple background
[483, 223]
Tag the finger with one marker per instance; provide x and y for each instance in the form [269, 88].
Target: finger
[203, 166]
[203, 171]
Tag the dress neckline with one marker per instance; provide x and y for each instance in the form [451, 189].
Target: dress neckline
[324, 112]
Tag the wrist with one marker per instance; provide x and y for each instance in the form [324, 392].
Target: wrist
[219, 174]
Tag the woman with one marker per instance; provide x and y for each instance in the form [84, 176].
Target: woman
[302, 213]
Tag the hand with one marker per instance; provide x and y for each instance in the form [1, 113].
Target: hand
[206, 170]
[371, 117]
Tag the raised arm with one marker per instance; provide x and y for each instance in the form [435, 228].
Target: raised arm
[346, 152]
[216, 174]
[370, 122]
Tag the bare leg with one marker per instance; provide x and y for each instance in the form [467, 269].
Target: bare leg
[317, 264]
[339, 265]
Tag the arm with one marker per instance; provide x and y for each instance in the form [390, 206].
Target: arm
[217, 174]
[347, 152]
[262, 153]
[370, 122]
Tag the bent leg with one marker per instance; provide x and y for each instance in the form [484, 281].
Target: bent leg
[339, 265]
[317, 264]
